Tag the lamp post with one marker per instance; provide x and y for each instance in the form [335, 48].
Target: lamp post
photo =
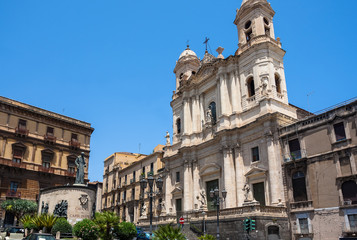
[204, 223]
[143, 184]
[215, 195]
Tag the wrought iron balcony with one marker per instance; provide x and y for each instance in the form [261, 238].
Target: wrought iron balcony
[22, 131]
[13, 194]
[75, 143]
[296, 155]
[49, 138]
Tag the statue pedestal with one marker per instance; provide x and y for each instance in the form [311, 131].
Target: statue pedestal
[80, 201]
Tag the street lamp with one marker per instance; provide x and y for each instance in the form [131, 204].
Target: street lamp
[215, 195]
[143, 185]
[204, 223]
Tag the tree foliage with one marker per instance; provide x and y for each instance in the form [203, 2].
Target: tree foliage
[19, 207]
[125, 231]
[168, 232]
[106, 221]
[45, 221]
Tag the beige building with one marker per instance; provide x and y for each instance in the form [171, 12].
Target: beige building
[122, 193]
[320, 154]
[37, 150]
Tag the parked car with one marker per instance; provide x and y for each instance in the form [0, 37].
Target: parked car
[15, 232]
[142, 235]
[39, 236]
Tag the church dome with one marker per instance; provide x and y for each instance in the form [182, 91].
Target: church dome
[187, 53]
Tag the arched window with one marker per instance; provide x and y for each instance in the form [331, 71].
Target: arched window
[299, 187]
[273, 233]
[178, 126]
[277, 83]
[212, 107]
[251, 87]
[349, 191]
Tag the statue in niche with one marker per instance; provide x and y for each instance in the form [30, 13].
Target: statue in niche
[167, 136]
[209, 116]
[265, 83]
[81, 164]
[61, 209]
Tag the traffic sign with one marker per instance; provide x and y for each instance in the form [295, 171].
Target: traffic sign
[181, 221]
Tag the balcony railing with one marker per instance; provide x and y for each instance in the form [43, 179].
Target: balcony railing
[46, 169]
[22, 131]
[13, 194]
[49, 138]
[302, 205]
[75, 143]
[296, 155]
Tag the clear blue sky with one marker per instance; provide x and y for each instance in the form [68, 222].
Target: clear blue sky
[110, 62]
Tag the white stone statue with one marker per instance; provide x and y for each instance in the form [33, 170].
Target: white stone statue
[246, 190]
[167, 136]
[265, 83]
[209, 116]
[143, 211]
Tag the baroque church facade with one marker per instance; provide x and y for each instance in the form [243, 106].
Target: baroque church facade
[226, 112]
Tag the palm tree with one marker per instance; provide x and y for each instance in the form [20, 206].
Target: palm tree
[168, 232]
[106, 221]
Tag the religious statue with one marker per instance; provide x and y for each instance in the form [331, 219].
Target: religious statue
[167, 138]
[45, 210]
[81, 164]
[143, 210]
[265, 83]
[209, 115]
[42, 206]
[61, 209]
[246, 190]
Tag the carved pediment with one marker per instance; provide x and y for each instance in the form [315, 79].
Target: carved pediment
[177, 191]
[256, 172]
[19, 145]
[210, 169]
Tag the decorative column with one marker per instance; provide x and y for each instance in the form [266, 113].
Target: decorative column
[195, 114]
[234, 92]
[240, 178]
[223, 94]
[196, 184]
[229, 177]
[275, 179]
[187, 186]
[168, 188]
[202, 111]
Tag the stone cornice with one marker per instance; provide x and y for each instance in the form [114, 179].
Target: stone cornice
[18, 108]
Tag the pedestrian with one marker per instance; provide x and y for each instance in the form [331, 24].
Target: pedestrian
[7, 236]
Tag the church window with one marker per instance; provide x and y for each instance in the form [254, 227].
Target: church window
[177, 177]
[248, 35]
[294, 147]
[266, 21]
[277, 83]
[251, 87]
[299, 187]
[248, 24]
[178, 126]
[349, 192]
[255, 154]
[212, 107]
[339, 131]
[181, 75]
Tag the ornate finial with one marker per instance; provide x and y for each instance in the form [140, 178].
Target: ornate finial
[188, 44]
[206, 42]
[220, 50]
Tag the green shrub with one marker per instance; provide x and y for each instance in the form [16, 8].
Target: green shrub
[207, 237]
[125, 231]
[61, 225]
[168, 232]
[86, 229]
